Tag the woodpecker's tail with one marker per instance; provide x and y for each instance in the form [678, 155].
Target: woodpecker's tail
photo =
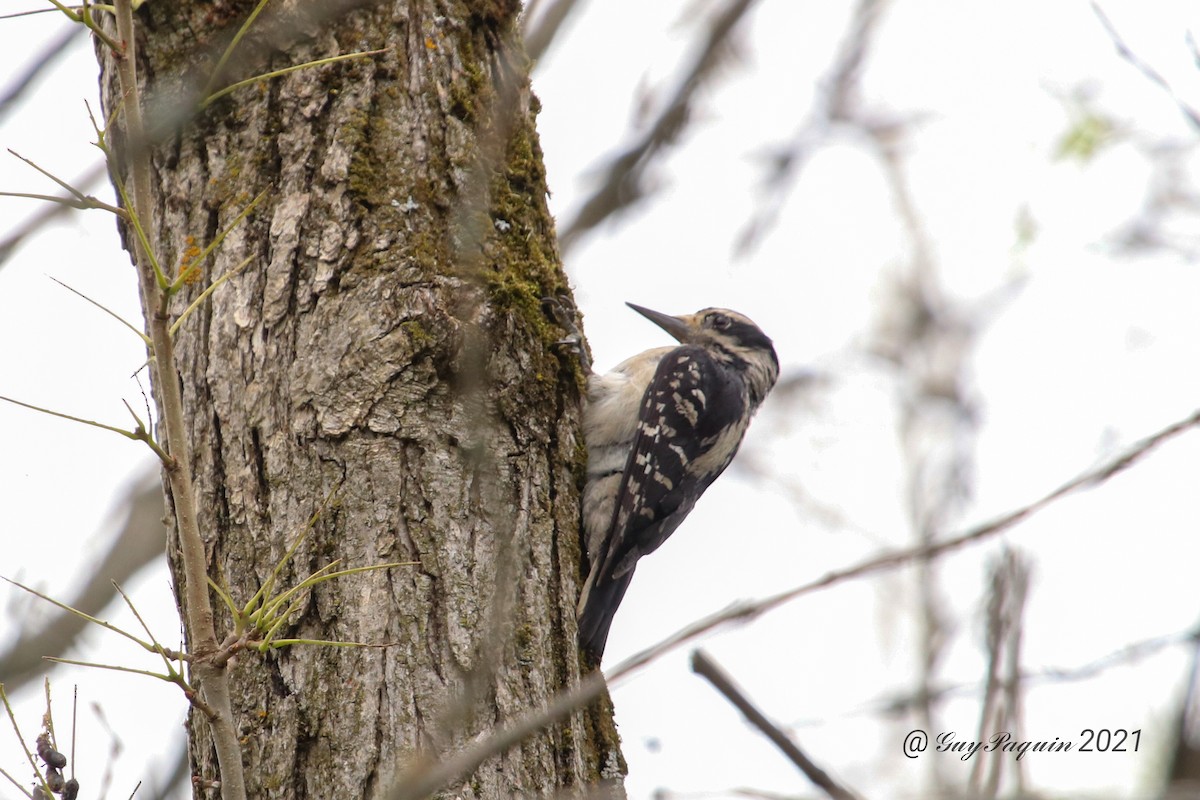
[596, 609]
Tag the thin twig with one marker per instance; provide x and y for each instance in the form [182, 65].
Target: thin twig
[163, 652]
[87, 617]
[218, 239]
[17, 730]
[66, 202]
[78, 199]
[233, 43]
[113, 667]
[16, 783]
[233, 87]
[39, 219]
[74, 725]
[81, 420]
[78, 195]
[705, 667]
[622, 186]
[145, 339]
[834, 104]
[1128, 654]
[212, 287]
[1153, 75]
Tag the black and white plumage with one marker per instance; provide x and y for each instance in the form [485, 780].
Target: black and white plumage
[660, 428]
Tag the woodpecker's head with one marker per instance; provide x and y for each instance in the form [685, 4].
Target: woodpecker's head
[731, 337]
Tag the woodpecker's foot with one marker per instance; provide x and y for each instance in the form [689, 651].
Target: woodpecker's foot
[566, 317]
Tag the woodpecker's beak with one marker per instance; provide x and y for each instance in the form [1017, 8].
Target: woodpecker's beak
[676, 326]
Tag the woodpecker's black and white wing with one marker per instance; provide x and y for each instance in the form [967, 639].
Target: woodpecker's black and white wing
[691, 420]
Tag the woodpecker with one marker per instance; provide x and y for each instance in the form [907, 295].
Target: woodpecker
[660, 428]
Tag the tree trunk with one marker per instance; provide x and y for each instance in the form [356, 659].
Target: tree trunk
[383, 366]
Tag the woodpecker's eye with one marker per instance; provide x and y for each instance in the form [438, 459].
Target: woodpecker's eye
[719, 321]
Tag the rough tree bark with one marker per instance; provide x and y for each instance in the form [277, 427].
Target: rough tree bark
[386, 347]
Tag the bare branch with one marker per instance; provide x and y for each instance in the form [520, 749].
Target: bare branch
[623, 182]
[140, 541]
[426, 778]
[704, 666]
[834, 105]
[1088, 479]
[1153, 75]
[1128, 654]
[19, 84]
[145, 339]
[1001, 707]
[92, 423]
[540, 29]
[36, 221]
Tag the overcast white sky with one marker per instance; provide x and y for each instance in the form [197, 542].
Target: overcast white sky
[1097, 349]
